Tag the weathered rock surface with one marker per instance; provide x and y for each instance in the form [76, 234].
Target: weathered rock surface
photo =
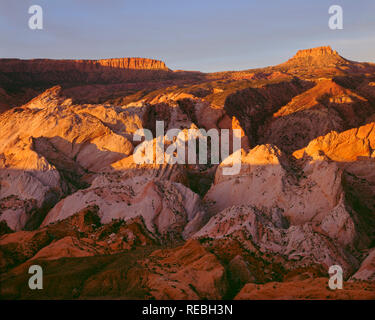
[46, 65]
[312, 193]
[316, 57]
[324, 108]
[187, 272]
[352, 151]
[50, 148]
[48, 72]
[167, 208]
[79, 235]
[269, 231]
[253, 106]
[309, 216]
[311, 289]
[367, 268]
[75, 199]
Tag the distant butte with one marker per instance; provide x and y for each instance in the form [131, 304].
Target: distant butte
[43, 65]
[320, 56]
[317, 52]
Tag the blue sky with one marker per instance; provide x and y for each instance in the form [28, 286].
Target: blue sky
[205, 35]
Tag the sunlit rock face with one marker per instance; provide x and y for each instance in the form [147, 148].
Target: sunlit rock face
[166, 207]
[75, 198]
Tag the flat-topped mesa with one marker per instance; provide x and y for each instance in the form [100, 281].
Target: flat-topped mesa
[318, 57]
[46, 73]
[46, 65]
[316, 52]
[132, 63]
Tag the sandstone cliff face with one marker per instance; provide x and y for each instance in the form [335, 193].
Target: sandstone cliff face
[47, 65]
[324, 108]
[44, 73]
[352, 151]
[348, 146]
[26, 79]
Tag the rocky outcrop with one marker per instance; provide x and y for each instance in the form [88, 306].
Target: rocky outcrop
[168, 209]
[308, 194]
[346, 147]
[270, 232]
[322, 62]
[311, 289]
[66, 247]
[324, 108]
[314, 212]
[353, 152]
[27, 76]
[187, 272]
[183, 272]
[50, 148]
[79, 235]
[253, 106]
[316, 57]
[366, 272]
